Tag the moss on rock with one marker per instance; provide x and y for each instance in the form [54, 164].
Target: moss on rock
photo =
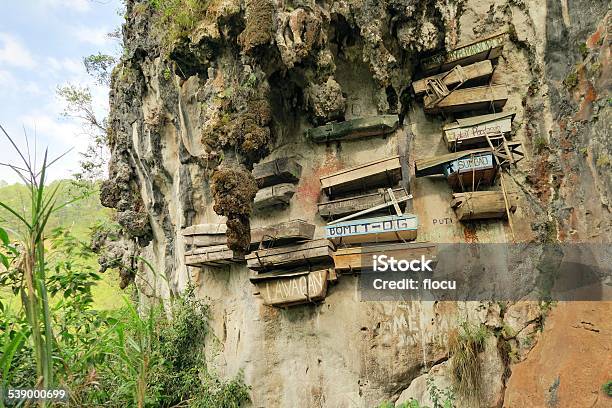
[234, 189]
[258, 25]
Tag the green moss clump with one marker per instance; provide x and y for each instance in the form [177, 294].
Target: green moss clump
[241, 125]
[571, 80]
[179, 17]
[259, 23]
[233, 190]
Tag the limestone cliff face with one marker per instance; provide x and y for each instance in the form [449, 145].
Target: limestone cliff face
[194, 106]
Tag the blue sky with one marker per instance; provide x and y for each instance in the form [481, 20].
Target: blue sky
[42, 44]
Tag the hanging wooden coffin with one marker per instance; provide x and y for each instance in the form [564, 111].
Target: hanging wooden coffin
[203, 235]
[353, 129]
[354, 259]
[479, 205]
[281, 170]
[472, 132]
[217, 255]
[276, 195]
[282, 288]
[478, 71]
[479, 50]
[379, 229]
[341, 207]
[473, 170]
[476, 98]
[280, 234]
[380, 173]
[308, 253]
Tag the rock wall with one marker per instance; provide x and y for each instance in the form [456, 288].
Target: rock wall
[194, 105]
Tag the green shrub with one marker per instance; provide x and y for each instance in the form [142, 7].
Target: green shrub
[540, 143]
[607, 388]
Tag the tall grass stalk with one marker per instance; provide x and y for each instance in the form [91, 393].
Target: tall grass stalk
[31, 265]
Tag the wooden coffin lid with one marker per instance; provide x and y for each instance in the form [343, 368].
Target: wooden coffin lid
[281, 170]
[394, 246]
[317, 243]
[293, 230]
[274, 275]
[433, 165]
[387, 163]
[478, 120]
[205, 229]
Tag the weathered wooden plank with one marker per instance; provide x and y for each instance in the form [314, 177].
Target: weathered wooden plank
[478, 70]
[211, 256]
[472, 132]
[384, 172]
[279, 234]
[353, 129]
[206, 240]
[379, 229]
[476, 98]
[281, 170]
[344, 206]
[435, 165]
[288, 289]
[205, 229]
[482, 205]
[355, 259]
[311, 252]
[479, 50]
[276, 195]
[474, 170]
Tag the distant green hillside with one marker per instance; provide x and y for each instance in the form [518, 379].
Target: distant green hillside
[79, 217]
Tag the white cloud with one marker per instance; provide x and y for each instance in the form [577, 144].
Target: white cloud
[97, 36]
[14, 53]
[8, 82]
[65, 66]
[76, 5]
[59, 133]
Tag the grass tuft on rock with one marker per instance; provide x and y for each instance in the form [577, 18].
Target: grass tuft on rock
[465, 344]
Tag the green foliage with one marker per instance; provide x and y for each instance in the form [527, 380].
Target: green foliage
[441, 398]
[154, 361]
[603, 160]
[177, 18]
[100, 67]
[464, 347]
[583, 49]
[79, 217]
[540, 143]
[607, 388]
[571, 80]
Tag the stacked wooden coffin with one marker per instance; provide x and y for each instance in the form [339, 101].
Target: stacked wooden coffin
[353, 129]
[206, 245]
[478, 145]
[289, 266]
[352, 202]
[276, 180]
[458, 79]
